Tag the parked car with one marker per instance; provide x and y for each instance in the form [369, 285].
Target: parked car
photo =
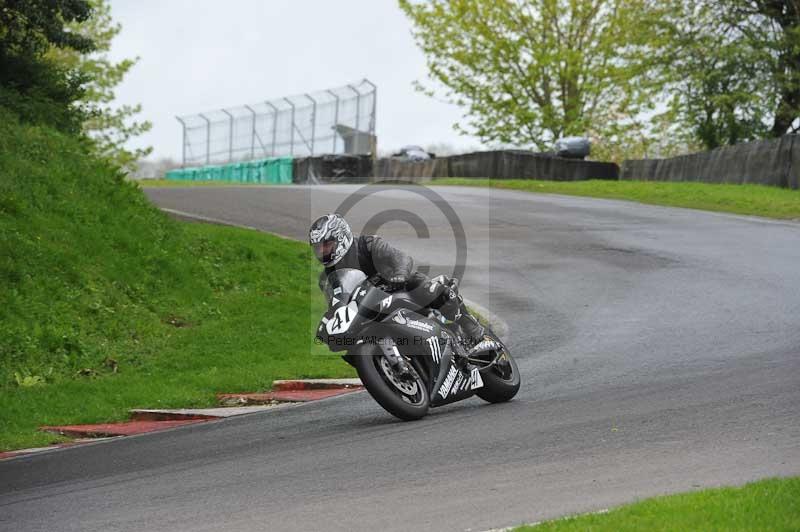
[414, 153]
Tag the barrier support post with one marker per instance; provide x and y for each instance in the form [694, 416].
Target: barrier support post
[313, 121]
[291, 129]
[335, 118]
[252, 133]
[183, 150]
[208, 137]
[274, 127]
[230, 135]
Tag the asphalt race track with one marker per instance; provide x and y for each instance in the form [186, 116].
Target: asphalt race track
[659, 351]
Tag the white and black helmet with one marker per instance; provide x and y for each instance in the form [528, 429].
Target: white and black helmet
[330, 237]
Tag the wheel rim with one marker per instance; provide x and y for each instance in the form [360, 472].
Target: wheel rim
[410, 392]
[503, 368]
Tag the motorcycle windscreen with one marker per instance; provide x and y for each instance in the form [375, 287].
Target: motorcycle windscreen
[341, 283]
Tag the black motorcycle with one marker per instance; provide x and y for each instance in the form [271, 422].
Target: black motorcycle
[410, 358]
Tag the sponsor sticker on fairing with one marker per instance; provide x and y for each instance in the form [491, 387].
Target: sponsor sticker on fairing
[419, 325]
[457, 385]
[448, 382]
[433, 345]
[414, 324]
[475, 379]
[342, 319]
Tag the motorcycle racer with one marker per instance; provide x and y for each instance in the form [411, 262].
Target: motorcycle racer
[336, 247]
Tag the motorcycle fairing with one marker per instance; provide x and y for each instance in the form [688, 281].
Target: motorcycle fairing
[410, 332]
[415, 336]
[451, 382]
[455, 382]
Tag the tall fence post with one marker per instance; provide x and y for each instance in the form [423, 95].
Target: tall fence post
[252, 133]
[372, 118]
[358, 107]
[230, 135]
[291, 130]
[274, 127]
[335, 118]
[183, 151]
[313, 120]
[208, 137]
[374, 105]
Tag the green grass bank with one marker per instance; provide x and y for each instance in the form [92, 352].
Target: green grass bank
[757, 200]
[167, 183]
[107, 304]
[772, 504]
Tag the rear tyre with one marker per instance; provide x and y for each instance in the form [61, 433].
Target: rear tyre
[405, 399]
[500, 382]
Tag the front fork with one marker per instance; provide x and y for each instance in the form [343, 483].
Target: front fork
[398, 362]
[390, 351]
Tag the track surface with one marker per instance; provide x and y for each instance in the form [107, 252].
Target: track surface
[660, 351]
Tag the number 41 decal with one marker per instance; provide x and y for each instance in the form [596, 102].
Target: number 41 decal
[342, 318]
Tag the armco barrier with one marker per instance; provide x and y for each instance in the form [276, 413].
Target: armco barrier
[417, 171]
[774, 162]
[499, 164]
[517, 164]
[333, 169]
[276, 170]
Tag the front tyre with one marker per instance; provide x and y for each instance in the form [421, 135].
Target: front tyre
[500, 382]
[403, 398]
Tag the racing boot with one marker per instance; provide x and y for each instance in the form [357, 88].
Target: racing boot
[473, 331]
[477, 338]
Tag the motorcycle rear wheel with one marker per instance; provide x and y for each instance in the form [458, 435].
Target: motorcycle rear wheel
[500, 386]
[407, 401]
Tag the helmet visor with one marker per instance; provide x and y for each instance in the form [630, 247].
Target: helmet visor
[324, 250]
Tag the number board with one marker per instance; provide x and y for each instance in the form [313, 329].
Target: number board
[342, 318]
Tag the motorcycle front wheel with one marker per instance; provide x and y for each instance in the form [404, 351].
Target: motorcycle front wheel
[406, 399]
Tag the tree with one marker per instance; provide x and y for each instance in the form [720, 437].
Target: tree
[109, 127]
[730, 71]
[36, 89]
[530, 71]
[717, 91]
[772, 29]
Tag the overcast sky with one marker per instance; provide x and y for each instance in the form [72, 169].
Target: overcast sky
[201, 55]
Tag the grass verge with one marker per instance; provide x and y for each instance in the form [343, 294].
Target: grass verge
[772, 504]
[249, 320]
[107, 304]
[758, 200]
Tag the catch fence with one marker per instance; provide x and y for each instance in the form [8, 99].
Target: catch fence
[333, 121]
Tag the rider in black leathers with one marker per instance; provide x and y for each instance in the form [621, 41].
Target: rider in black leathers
[336, 247]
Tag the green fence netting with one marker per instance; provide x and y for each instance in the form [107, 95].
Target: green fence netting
[273, 171]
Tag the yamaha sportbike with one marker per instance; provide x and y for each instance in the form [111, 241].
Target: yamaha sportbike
[410, 358]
